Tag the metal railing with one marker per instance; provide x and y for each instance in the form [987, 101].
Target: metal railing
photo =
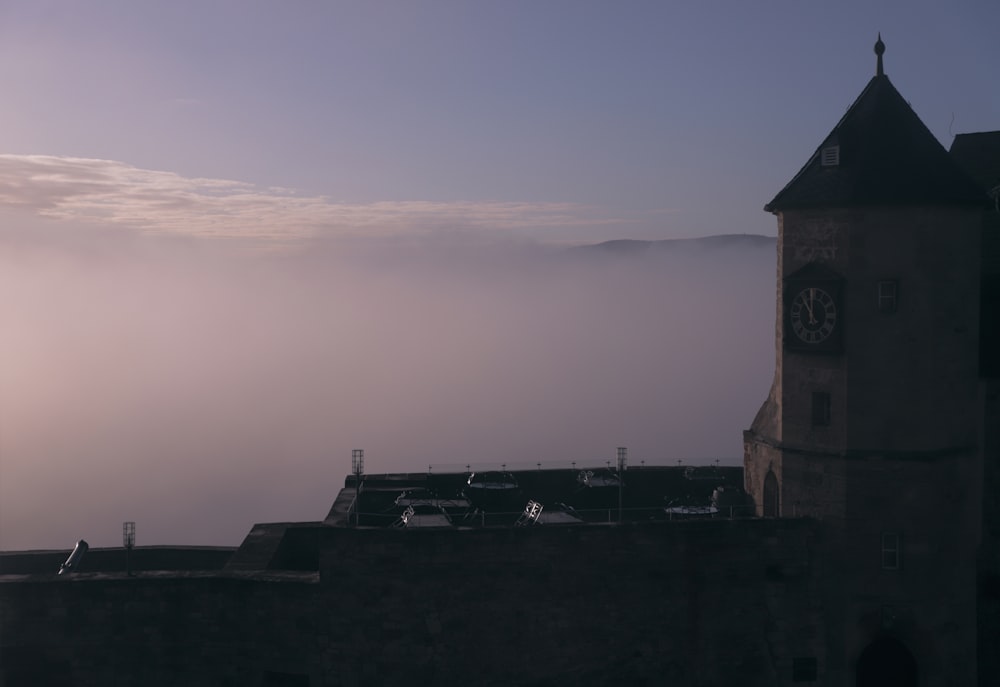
[587, 516]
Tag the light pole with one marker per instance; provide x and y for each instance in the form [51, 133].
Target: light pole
[358, 468]
[128, 541]
[622, 464]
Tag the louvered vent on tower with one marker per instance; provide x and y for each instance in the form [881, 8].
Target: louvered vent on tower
[830, 157]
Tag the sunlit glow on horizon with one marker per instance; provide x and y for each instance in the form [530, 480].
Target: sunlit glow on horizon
[80, 189]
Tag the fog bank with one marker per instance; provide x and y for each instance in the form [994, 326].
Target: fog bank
[199, 387]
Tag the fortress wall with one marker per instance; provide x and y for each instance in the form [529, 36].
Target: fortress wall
[104, 630]
[711, 602]
[114, 559]
[707, 602]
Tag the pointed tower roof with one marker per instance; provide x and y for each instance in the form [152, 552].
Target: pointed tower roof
[880, 153]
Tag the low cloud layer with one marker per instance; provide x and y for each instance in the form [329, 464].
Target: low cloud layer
[110, 192]
[196, 387]
[197, 390]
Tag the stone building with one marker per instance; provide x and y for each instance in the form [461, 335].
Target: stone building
[881, 420]
[979, 155]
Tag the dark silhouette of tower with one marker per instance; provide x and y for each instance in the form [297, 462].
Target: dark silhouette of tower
[874, 418]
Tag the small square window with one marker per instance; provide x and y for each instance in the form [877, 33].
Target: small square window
[891, 551]
[887, 295]
[820, 409]
[804, 669]
[830, 157]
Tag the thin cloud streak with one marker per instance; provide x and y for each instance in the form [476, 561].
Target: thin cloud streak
[108, 191]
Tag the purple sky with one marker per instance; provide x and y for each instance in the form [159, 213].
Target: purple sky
[588, 120]
[239, 239]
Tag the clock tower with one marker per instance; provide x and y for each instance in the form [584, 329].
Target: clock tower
[874, 416]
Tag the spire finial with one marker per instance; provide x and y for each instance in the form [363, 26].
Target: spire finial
[879, 50]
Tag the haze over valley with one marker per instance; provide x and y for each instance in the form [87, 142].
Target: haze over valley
[197, 388]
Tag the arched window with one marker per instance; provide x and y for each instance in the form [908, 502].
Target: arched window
[886, 662]
[770, 495]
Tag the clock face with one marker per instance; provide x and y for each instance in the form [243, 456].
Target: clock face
[813, 315]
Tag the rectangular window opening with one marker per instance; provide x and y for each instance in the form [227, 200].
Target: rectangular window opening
[891, 551]
[887, 295]
[820, 409]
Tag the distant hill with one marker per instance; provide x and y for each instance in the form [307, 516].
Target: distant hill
[691, 245]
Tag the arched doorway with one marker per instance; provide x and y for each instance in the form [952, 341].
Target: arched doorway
[886, 662]
[770, 495]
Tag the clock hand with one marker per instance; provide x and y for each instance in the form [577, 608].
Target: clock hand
[809, 307]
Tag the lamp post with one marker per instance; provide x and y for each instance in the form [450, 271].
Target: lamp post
[358, 468]
[622, 464]
[128, 541]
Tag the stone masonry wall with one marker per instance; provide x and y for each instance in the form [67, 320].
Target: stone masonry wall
[685, 603]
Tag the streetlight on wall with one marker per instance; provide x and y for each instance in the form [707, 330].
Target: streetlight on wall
[358, 468]
[128, 541]
[622, 465]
